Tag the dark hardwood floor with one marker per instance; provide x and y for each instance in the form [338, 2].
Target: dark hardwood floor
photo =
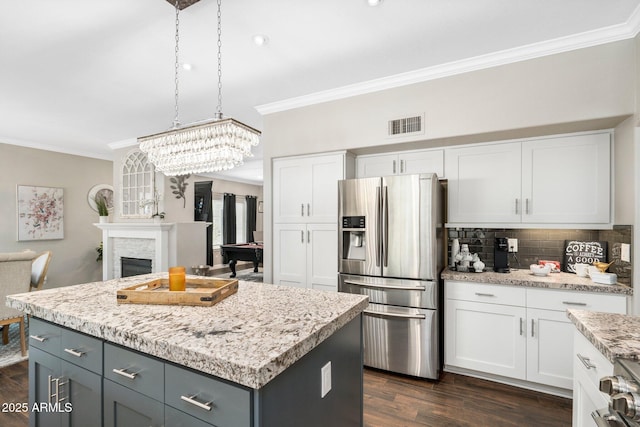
[394, 401]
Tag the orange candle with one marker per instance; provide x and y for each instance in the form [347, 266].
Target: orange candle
[177, 279]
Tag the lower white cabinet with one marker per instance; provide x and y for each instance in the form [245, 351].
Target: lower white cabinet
[516, 332]
[589, 365]
[306, 255]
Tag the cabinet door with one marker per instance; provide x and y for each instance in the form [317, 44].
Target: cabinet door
[586, 399]
[567, 179]
[378, 165]
[322, 256]
[291, 187]
[431, 161]
[84, 390]
[484, 184]
[124, 407]
[486, 337]
[43, 368]
[290, 254]
[549, 348]
[322, 197]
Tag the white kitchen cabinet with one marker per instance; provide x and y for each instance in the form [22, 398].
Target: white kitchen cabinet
[304, 255]
[404, 163]
[516, 332]
[305, 189]
[589, 365]
[562, 180]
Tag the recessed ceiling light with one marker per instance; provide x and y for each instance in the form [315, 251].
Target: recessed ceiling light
[187, 67]
[260, 39]
[374, 2]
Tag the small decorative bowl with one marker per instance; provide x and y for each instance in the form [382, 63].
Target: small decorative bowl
[540, 270]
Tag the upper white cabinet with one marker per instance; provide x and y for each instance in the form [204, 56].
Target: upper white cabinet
[561, 180]
[408, 162]
[305, 189]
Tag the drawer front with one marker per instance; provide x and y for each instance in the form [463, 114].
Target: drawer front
[487, 293]
[207, 398]
[82, 350]
[551, 299]
[134, 370]
[175, 418]
[45, 336]
[589, 361]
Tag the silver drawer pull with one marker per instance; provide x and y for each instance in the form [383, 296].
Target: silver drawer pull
[192, 399]
[574, 303]
[399, 315]
[74, 352]
[586, 361]
[380, 286]
[130, 375]
[480, 294]
[38, 338]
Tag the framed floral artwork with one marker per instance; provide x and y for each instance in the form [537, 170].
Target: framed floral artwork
[40, 213]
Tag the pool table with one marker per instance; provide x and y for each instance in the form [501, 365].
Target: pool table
[232, 253]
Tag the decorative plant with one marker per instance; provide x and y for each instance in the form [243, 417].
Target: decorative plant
[179, 185]
[155, 202]
[99, 250]
[101, 204]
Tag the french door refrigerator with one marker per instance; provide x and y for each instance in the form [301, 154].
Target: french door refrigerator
[391, 249]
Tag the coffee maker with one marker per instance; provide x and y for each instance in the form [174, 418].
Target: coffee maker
[501, 255]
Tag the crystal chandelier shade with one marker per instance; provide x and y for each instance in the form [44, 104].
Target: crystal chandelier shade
[213, 146]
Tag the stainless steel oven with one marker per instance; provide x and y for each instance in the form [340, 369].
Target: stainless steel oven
[624, 391]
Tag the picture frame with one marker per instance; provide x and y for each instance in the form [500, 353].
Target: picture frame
[106, 191]
[40, 212]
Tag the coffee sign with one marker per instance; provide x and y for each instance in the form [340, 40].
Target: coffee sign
[576, 252]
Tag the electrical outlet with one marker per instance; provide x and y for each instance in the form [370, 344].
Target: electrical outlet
[625, 252]
[513, 245]
[325, 374]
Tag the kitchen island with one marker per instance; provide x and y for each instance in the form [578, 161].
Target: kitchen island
[270, 346]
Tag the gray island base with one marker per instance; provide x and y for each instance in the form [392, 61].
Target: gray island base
[267, 356]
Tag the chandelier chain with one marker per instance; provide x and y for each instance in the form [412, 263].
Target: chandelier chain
[176, 120]
[219, 110]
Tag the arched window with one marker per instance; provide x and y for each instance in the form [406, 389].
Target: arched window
[137, 186]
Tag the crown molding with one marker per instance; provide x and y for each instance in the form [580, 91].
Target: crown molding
[56, 149]
[610, 34]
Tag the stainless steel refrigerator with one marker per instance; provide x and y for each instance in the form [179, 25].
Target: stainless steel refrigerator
[391, 249]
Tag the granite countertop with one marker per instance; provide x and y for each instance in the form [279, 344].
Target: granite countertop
[566, 281]
[248, 338]
[614, 335]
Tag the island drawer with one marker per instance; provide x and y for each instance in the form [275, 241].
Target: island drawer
[207, 398]
[134, 370]
[591, 364]
[82, 350]
[559, 300]
[45, 336]
[487, 293]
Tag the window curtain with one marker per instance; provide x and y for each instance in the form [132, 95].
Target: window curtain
[252, 209]
[229, 219]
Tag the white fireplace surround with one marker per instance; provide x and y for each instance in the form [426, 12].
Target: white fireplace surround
[165, 244]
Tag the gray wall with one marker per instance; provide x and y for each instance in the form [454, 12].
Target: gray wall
[591, 88]
[74, 257]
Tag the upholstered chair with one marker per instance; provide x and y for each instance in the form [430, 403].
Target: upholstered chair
[15, 277]
[39, 270]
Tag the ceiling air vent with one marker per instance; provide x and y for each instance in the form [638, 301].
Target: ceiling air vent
[406, 126]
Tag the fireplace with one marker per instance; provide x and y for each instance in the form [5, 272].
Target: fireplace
[134, 266]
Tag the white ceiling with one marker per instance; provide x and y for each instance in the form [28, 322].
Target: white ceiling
[86, 76]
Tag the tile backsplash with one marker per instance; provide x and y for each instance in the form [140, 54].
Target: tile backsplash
[537, 244]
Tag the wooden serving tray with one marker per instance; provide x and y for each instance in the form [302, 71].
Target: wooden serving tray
[206, 292]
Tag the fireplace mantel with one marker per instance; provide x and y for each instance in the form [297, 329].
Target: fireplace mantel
[160, 242]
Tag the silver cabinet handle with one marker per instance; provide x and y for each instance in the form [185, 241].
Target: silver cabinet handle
[130, 375]
[308, 236]
[574, 303]
[74, 352]
[480, 294]
[301, 236]
[394, 166]
[308, 209]
[585, 361]
[404, 316]
[517, 207]
[301, 209]
[521, 326]
[374, 285]
[192, 399]
[532, 326]
[38, 338]
[527, 206]
[401, 166]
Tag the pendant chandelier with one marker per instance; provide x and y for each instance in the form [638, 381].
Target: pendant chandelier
[209, 146]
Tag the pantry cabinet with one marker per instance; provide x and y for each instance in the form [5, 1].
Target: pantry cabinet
[563, 180]
[516, 332]
[404, 163]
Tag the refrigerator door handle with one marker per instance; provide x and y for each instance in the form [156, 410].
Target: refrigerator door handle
[404, 316]
[378, 233]
[379, 286]
[385, 227]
